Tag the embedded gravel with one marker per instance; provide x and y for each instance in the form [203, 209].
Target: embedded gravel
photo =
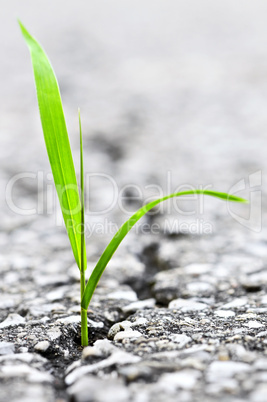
[172, 94]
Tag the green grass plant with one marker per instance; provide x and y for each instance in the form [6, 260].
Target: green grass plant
[71, 196]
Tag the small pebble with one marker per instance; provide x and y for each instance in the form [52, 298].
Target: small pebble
[254, 324]
[181, 339]
[119, 326]
[12, 321]
[236, 303]
[185, 379]
[139, 305]
[125, 295]
[73, 319]
[42, 346]
[6, 348]
[225, 369]
[224, 314]
[198, 269]
[126, 334]
[187, 305]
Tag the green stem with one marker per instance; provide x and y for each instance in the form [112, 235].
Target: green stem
[84, 327]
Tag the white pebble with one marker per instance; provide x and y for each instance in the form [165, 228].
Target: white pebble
[124, 295]
[185, 379]
[198, 269]
[181, 339]
[12, 320]
[186, 305]
[254, 324]
[224, 314]
[123, 325]
[139, 305]
[73, 319]
[6, 348]
[127, 334]
[42, 346]
[225, 369]
[235, 304]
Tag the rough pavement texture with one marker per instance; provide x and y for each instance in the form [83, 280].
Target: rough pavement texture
[172, 94]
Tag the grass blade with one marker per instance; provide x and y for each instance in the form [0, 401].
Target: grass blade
[83, 251]
[126, 227]
[84, 327]
[57, 142]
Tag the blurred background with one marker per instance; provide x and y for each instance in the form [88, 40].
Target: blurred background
[171, 93]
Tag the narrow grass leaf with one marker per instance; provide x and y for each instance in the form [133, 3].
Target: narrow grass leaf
[57, 142]
[126, 227]
[82, 229]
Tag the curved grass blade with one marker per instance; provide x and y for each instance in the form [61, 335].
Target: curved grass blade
[126, 227]
[57, 142]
